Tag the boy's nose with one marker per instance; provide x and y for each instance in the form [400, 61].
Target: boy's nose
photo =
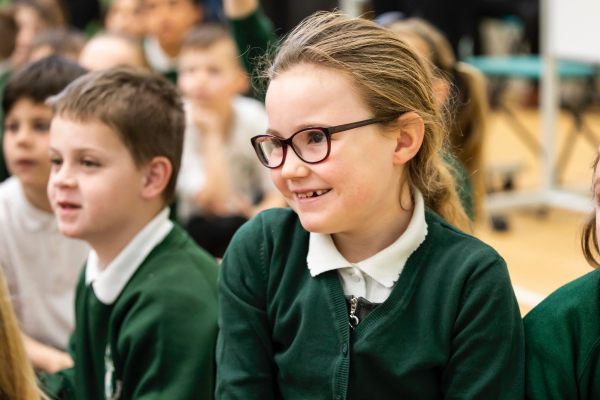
[294, 167]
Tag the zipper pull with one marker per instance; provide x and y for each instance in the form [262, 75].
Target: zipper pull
[354, 321]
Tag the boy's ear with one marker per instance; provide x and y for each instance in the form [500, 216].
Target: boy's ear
[157, 175]
[408, 137]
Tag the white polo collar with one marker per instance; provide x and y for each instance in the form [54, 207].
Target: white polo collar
[157, 58]
[109, 283]
[384, 267]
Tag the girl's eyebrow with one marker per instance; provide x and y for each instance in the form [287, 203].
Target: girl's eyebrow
[299, 128]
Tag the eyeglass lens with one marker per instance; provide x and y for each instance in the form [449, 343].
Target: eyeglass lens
[310, 145]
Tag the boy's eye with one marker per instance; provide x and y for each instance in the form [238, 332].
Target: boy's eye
[41, 126]
[89, 163]
[12, 127]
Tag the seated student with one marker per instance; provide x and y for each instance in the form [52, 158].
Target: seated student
[107, 50]
[17, 380]
[41, 266]
[167, 23]
[461, 88]
[562, 333]
[221, 183]
[146, 303]
[125, 17]
[367, 288]
[34, 16]
[67, 43]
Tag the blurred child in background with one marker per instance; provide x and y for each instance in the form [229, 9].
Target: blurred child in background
[67, 43]
[125, 17]
[563, 332]
[167, 23]
[461, 89]
[8, 33]
[221, 184]
[34, 16]
[146, 303]
[41, 266]
[107, 50]
[17, 380]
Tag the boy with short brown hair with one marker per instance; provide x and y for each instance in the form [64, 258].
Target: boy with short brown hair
[146, 303]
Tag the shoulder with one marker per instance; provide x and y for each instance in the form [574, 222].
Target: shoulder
[454, 242]
[572, 311]
[10, 191]
[273, 225]
[176, 267]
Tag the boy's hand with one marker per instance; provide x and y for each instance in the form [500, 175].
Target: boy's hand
[45, 358]
[238, 9]
[209, 123]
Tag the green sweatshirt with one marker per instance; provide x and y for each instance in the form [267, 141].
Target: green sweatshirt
[563, 343]
[156, 341]
[450, 329]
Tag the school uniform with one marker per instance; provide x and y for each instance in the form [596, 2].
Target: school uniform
[40, 265]
[146, 326]
[160, 61]
[562, 337]
[445, 322]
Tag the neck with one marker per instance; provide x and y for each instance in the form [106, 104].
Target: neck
[38, 198]
[110, 244]
[382, 231]
[170, 49]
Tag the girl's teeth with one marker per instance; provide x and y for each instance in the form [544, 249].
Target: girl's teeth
[319, 192]
[309, 194]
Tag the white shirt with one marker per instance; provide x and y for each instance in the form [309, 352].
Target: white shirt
[159, 60]
[110, 282]
[375, 277]
[249, 177]
[41, 267]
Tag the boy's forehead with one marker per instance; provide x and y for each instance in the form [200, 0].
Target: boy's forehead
[29, 106]
[222, 49]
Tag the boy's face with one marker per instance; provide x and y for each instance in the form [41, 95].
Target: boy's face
[94, 181]
[211, 77]
[29, 24]
[26, 142]
[169, 20]
[125, 16]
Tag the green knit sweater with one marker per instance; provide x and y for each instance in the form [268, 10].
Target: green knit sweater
[156, 341]
[563, 343]
[451, 328]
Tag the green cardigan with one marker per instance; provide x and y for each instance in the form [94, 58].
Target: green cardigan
[451, 328]
[563, 343]
[156, 341]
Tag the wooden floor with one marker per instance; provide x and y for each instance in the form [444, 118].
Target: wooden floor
[542, 252]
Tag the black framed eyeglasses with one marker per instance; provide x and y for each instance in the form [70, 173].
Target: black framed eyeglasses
[311, 145]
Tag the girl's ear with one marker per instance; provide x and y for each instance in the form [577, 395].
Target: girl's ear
[156, 178]
[409, 137]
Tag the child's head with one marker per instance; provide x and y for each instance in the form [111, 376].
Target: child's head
[210, 72]
[60, 41]
[458, 86]
[33, 16]
[115, 146]
[27, 117]
[170, 20]
[8, 32]
[589, 237]
[331, 71]
[107, 50]
[17, 379]
[125, 16]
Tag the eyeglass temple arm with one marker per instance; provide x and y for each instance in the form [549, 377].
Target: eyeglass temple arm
[358, 124]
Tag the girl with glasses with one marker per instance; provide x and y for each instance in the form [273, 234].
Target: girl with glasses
[367, 288]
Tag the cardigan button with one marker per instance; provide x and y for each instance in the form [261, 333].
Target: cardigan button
[345, 349]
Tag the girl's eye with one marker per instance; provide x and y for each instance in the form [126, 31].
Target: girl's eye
[316, 137]
[55, 161]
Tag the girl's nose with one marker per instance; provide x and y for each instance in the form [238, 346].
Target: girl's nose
[294, 167]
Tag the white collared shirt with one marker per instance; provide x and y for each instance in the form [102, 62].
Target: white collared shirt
[110, 282]
[40, 265]
[375, 277]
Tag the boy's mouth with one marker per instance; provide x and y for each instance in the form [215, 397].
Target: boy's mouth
[63, 205]
[25, 163]
[314, 193]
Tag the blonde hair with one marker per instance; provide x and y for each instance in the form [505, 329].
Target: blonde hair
[589, 236]
[17, 380]
[468, 126]
[390, 78]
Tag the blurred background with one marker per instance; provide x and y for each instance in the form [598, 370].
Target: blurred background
[520, 78]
